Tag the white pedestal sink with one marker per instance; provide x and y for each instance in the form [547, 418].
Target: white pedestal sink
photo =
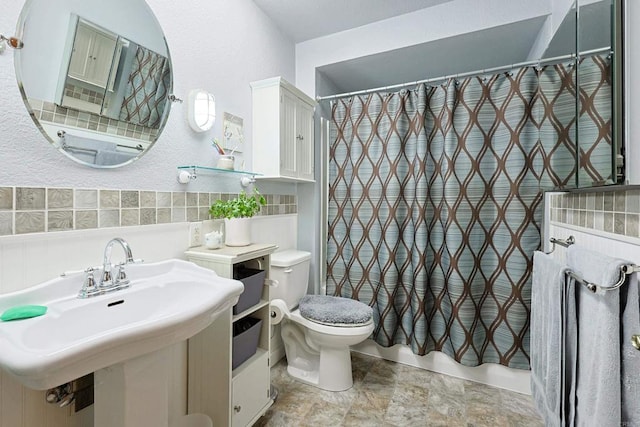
[119, 336]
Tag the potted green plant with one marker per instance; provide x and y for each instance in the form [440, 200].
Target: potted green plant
[236, 214]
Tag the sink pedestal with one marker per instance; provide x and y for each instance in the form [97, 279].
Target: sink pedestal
[135, 393]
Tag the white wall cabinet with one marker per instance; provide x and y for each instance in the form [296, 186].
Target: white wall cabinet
[283, 138]
[92, 55]
[231, 397]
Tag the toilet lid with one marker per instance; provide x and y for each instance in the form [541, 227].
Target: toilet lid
[335, 311]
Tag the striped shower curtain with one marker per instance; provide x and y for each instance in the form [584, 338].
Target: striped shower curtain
[435, 206]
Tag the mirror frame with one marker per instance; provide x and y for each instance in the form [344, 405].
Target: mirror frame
[55, 142]
[618, 123]
[614, 169]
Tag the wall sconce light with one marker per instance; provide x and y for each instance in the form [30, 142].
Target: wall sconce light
[12, 42]
[201, 110]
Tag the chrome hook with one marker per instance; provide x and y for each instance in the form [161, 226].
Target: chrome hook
[12, 42]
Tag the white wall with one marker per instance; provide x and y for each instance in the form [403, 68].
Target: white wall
[559, 9]
[216, 45]
[441, 21]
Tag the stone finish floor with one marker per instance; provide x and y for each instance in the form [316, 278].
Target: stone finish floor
[390, 394]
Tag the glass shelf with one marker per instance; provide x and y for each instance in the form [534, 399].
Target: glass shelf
[195, 169]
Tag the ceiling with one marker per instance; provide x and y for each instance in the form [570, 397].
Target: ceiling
[308, 19]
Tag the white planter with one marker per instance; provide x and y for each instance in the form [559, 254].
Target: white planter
[237, 231]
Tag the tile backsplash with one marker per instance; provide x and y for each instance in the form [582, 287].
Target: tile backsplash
[37, 209]
[83, 94]
[52, 113]
[615, 212]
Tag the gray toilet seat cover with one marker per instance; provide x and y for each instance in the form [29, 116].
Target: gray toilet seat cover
[336, 311]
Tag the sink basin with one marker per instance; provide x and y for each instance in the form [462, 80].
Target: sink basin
[168, 302]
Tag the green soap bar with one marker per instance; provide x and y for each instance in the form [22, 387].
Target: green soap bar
[23, 312]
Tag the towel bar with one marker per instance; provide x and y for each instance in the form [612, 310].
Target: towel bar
[66, 146]
[593, 287]
[564, 243]
[625, 270]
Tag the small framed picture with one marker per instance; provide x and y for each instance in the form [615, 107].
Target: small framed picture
[233, 134]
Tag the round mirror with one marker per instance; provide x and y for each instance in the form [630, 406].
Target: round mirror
[96, 80]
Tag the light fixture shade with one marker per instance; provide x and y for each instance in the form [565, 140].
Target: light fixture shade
[201, 110]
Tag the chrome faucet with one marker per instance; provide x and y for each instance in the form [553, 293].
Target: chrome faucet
[107, 282]
[121, 278]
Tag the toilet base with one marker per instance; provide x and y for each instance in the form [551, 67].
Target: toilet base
[335, 369]
[333, 374]
[317, 354]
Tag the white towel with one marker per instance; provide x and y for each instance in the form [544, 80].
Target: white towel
[88, 143]
[630, 356]
[108, 157]
[570, 352]
[598, 386]
[552, 336]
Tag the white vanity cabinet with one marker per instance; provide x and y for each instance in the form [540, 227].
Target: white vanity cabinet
[92, 55]
[283, 138]
[231, 397]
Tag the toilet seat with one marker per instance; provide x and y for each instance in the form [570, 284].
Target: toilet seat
[335, 311]
[359, 329]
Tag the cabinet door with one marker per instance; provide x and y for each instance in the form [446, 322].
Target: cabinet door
[288, 141]
[102, 56]
[92, 55]
[251, 392]
[304, 138]
[80, 57]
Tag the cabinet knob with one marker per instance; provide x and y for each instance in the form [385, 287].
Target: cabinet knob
[237, 408]
[635, 341]
[300, 137]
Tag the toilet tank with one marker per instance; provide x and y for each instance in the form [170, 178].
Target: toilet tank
[290, 271]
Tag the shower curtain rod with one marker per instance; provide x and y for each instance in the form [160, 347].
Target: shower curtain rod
[467, 74]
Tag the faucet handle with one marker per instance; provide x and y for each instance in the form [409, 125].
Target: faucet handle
[121, 276]
[89, 284]
[106, 277]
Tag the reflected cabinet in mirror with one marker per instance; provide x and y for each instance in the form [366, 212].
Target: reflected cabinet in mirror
[95, 78]
[589, 120]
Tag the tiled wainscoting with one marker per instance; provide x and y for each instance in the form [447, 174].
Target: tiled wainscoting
[83, 94]
[35, 210]
[615, 212]
[55, 114]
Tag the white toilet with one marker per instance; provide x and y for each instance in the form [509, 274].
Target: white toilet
[318, 333]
